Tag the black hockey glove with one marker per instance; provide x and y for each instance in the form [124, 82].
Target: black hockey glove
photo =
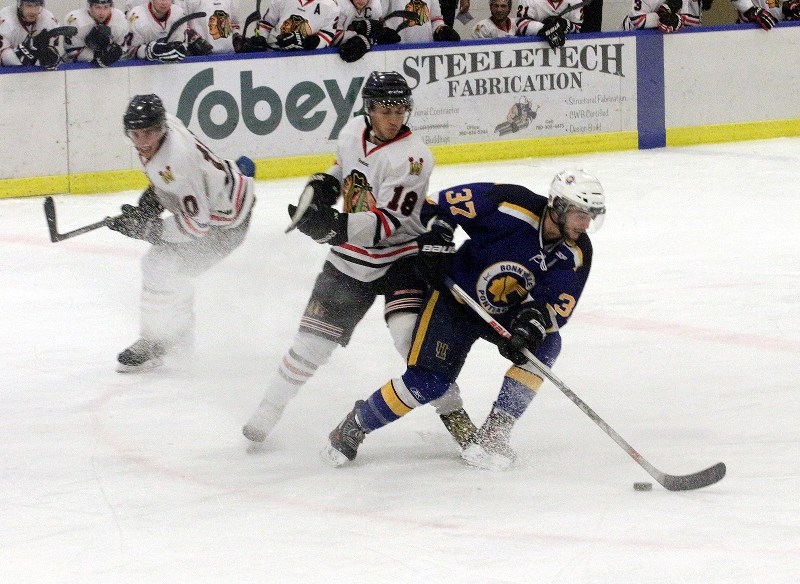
[354, 48]
[791, 10]
[706, 5]
[99, 38]
[387, 36]
[108, 56]
[528, 330]
[253, 44]
[367, 28]
[135, 222]
[199, 47]
[322, 224]
[26, 53]
[166, 52]
[326, 189]
[761, 17]
[669, 21]
[48, 57]
[290, 40]
[673, 6]
[445, 33]
[149, 205]
[436, 249]
[554, 29]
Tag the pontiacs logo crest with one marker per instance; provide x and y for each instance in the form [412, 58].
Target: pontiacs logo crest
[502, 285]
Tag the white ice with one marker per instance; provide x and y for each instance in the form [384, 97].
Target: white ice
[686, 341]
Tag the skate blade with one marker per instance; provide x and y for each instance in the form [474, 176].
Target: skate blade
[144, 367]
[475, 455]
[333, 457]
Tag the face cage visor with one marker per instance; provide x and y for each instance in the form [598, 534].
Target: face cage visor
[597, 216]
[407, 102]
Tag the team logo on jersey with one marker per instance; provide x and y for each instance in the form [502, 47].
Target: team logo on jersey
[296, 23]
[167, 175]
[219, 25]
[503, 285]
[414, 167]
[441, 350]
[357, 193]
[420, 10]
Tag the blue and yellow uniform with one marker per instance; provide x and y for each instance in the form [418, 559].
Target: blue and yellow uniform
[504, 265]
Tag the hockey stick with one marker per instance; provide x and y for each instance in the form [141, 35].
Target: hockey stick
[302, 206]
[697, 480]
[181, 21]
[575, 7]
[251, 18]
[55, 236]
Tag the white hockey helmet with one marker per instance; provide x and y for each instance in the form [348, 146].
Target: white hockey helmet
[577, 189]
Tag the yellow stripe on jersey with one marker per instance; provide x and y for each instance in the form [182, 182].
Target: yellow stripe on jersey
[422, 328]
[526, 378]
[389, 395]
[576, 252]
[520, 213]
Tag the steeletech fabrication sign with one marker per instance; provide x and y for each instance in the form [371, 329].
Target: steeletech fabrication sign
[482, 92]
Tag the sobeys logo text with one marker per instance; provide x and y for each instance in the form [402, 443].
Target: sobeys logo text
[301, 105]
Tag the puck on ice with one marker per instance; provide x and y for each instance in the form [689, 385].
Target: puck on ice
[642, 486]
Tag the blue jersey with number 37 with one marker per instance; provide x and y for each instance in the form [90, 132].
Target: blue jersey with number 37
[505, 261]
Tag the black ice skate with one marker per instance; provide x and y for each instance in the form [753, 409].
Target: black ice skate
[344, 440]
[142, 355]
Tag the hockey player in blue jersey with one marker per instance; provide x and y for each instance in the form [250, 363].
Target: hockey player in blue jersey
[526, 262]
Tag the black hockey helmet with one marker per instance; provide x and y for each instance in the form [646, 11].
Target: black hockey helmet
[386, 88]
[38, 2]
[144, 111]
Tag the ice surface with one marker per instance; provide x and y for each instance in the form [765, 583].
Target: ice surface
[686, 341]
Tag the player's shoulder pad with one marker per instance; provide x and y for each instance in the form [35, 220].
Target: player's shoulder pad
[519, 196]
[582, 251]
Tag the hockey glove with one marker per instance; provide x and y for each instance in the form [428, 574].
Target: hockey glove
[528, 330]
[354, 48]
[436, 249]
[673, 6]
[149, 205]
[669, 21]
[108, 56]
[761, 17]
[707, 4]
[99, 38]
[791, 10]
[48, 57]
[26, 53]
[387, 36]
[136, 223]
[326, 189]
[322, 224]
[554, 29]
[445, 33]
[367, 28]
[166, 52]
[199, 47]
[290, 40]
[253, 44]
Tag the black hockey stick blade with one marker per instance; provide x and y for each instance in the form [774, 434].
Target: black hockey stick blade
[254, 16]
[698, 480]
[55, 236]
[67, 31]
[183, 20]
[583, 4]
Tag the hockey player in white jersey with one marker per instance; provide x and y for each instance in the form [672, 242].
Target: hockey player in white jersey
[381, 172]
[21, 38]
[216, 28]
[210, 201]
[149, 25]
[418, 21]
[361, 27]
[499, 25]
[300, 24]
[665, 15]
[545, 19]
[766, 13]
[101, 33]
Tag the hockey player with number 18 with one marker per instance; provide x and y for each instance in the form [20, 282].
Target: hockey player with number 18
[382, 171]
[526, 262]
[210, 200]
